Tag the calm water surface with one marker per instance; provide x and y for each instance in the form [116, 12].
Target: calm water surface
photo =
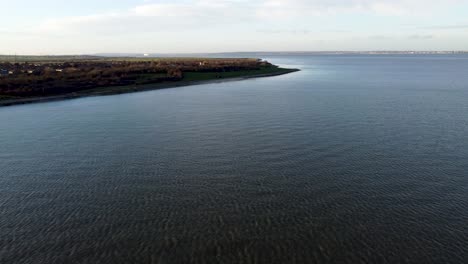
[355, 159]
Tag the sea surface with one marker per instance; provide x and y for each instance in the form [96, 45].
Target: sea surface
[355, 159]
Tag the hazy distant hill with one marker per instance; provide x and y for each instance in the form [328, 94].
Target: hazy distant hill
[279, 53]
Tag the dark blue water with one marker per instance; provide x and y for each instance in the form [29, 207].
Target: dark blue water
[355, 159]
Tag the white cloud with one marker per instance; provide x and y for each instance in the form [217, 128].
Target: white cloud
[152, 17]
[164, 10]
[208, 13]
[230, 24]
[292, 8]
[421, 37]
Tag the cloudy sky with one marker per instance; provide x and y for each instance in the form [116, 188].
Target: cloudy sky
[185, 26]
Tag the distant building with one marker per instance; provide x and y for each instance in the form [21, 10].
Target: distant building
[59, 70]
[3, 72]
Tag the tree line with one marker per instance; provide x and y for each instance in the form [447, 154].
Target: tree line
[53, 78]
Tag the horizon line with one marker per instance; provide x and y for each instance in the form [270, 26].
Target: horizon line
[236, 52]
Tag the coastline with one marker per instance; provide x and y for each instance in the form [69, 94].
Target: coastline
[113, 90]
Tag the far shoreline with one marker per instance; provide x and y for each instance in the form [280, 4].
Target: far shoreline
[114, 90]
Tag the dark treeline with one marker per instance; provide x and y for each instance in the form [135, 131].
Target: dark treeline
[53, 78]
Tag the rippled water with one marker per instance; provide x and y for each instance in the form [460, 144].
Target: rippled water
[354, 159]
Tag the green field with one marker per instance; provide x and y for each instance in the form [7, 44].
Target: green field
[205, 76]
[103, 75]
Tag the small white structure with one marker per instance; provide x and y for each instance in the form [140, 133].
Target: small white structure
[59, 70]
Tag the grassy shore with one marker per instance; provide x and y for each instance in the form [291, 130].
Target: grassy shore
[144, 83]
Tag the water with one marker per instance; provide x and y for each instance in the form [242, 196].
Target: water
[355, 159]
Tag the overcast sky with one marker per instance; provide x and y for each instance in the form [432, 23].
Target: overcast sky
[185, 26]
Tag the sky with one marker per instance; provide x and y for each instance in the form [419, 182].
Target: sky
[199, 26]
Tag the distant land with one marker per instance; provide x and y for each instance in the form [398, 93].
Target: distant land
[276, 53]
[28, 79]
[248, 54]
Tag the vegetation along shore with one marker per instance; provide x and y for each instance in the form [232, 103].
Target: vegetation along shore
[38, 79]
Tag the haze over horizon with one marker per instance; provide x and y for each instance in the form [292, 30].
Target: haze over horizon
[206, 26]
